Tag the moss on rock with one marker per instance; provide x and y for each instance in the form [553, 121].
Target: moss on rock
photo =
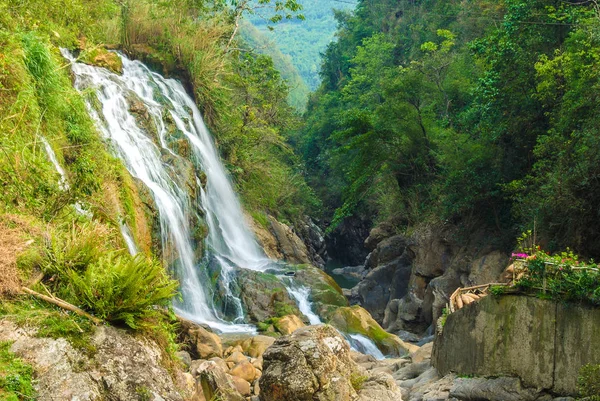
[356, 320]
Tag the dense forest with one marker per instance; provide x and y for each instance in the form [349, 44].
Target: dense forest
[473, 113]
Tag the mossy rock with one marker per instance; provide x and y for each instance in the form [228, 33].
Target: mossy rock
[101, 57]
[326, 294]
[264, 296]
[357, 320]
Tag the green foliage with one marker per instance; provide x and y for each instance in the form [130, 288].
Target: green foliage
[50, 321]
[588, 382]
[15, 376]
[120, 288]
[468, 112]
[561, 276]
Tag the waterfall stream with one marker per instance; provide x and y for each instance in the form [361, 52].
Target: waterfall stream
[149, 157]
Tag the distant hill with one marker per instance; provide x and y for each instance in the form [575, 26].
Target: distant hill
[257, 40]
[304, 41]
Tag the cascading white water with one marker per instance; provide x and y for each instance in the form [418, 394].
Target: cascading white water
[357, 342]
[364, 345]
[301, 294]
[229, 240]
[63, 184]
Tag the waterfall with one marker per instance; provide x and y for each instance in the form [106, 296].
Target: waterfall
[301, 294]
[364, 345]
[357, 342]
[63, 182]
[149, 156]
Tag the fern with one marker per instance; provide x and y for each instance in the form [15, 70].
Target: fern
[121, 288]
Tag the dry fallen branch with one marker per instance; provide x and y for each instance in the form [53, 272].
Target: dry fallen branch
[61, 304]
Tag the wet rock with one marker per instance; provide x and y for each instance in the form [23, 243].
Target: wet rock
[356, 320]
[264, 296]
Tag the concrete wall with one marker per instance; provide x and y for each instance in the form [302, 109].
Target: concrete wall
[541, 341]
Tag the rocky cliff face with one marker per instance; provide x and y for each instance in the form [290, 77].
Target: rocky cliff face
[407, 280]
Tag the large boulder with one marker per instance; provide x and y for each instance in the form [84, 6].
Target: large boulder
[252, 345]
[356, 320]
[314, 364]
[264, 296]
[202, 343]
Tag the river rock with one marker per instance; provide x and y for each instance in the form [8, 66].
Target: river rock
[245, 370]
[204, 343]
[236, 357]
[241, 385]
[288, 324]
[215, 384]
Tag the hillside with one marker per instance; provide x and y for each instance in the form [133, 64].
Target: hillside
[304, 41]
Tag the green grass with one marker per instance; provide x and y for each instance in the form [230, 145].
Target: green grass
[15, 376]
[50, 321]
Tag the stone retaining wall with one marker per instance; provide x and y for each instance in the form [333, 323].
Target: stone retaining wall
[541, 341]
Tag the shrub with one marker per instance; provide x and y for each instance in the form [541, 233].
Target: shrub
[589, 382]
[121, 288]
